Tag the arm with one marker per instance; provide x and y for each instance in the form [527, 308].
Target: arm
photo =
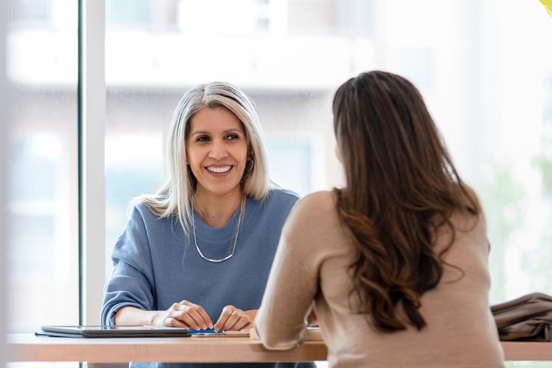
[133, 316]
[129, 294]
[129, 286]
[290, 291]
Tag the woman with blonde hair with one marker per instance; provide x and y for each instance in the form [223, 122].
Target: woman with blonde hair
[197, 254]
[396, 261]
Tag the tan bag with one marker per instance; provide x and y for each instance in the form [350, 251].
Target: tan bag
[528, 318]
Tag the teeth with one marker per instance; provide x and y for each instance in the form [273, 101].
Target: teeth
[219, 169]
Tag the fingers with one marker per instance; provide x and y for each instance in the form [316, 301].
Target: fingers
[242, 323]
[173, 322]
[200, 313]
[226, 313]
[232, 319]
[188, 315]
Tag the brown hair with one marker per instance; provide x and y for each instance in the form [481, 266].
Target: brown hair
[401, 187]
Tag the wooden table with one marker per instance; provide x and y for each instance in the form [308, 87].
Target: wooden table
[30, 348]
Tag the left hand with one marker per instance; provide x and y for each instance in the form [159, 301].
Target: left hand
[232, 319]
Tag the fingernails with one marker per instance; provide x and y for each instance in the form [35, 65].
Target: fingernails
[204, 327]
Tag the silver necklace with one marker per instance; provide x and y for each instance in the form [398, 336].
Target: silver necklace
[215, 260]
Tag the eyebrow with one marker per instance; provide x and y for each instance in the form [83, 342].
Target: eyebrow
[226, 131]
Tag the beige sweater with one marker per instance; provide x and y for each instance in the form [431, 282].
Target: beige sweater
[311, 264]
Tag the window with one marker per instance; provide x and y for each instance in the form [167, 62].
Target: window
[42, 251]
[41, 255]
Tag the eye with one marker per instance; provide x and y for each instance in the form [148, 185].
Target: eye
[233, 137]
[202, 138]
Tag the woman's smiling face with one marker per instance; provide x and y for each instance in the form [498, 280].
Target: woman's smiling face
[216, 150]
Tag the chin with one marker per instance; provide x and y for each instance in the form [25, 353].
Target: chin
[222, 190]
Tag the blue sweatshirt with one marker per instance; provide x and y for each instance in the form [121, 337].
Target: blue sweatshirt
[156, 265]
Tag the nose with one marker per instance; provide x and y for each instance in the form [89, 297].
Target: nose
[218, 150]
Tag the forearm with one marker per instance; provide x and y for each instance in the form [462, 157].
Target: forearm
[284, 311]
[287, 302]
[134, 316]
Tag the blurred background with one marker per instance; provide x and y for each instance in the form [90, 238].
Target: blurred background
[484, 68]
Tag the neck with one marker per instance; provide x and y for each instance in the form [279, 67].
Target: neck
[216, 210]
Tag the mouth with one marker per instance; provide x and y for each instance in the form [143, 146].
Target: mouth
[219, 170]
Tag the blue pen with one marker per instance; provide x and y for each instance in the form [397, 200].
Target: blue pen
[208, 331]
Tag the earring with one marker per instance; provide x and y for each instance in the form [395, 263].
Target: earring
[250, 164]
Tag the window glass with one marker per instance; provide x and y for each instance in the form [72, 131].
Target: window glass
[42, 251]
[487, 85]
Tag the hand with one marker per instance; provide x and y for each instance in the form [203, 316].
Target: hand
[183, 315]
[232, 319]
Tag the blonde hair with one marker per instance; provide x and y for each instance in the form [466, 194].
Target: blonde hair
[176, 195]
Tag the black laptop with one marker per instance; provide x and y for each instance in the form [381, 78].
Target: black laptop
[112, 331]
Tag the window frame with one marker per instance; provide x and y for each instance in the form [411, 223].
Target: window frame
[4, 113]
[91, 152]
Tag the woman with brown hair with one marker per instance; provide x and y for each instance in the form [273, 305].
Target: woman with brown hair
[396, 261]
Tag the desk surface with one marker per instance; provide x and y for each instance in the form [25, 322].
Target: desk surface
[27, 347]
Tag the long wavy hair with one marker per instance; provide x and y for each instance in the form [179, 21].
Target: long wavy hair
[401, 187]
[176, 195]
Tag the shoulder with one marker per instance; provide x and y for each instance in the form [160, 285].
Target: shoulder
[314, 212]
[142, 216]
[282, 195]
[323, 200]
[277, 200]
[313, 230]
[470, 224]
[468, 231]
[317, 207]
[132, 246]
[141, 209]
[270, 212]
[471, 218]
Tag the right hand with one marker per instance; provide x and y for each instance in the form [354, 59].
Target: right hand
[183, 315]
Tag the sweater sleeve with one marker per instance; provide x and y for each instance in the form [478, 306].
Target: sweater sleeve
[131, 282]
[291, 288]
